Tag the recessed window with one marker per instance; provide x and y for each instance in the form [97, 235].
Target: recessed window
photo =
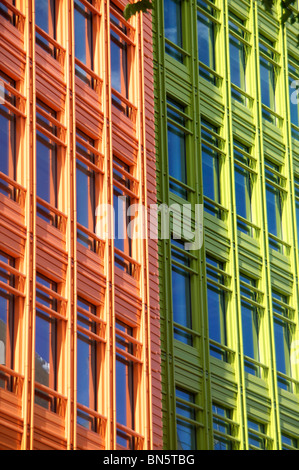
[7, 318]
[173, 29]
[185, 420]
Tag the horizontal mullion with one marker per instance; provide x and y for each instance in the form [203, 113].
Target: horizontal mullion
[186, 329]
[176, 47]
[50, 311]
[91, 316]
[14, 109]
[248, 222]
[219, 285]
[12, 270]
[51, 292]
[216, 204]
[208, 15]
[210, 70]
[180, 183]
[124, 189]
[50, 118]
[240, 38]
[183, 267]
[254, 303]
[269, 59]
[245, 167]
[91, 8]
[121, 34]
[213, 147]
[88, 163]
[189, 420]
[90, 334]
[50, 136]
[11, 290]
[128, 356]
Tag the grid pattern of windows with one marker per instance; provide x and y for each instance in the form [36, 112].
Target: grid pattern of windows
[67, 143]
[243, 144]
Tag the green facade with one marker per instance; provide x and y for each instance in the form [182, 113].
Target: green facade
[227, 137]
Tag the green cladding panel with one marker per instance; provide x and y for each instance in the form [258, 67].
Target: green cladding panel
[227, 130]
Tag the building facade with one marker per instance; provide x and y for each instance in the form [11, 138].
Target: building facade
[227, 140]
[79, 324]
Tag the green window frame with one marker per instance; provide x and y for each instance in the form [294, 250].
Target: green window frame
[182, 292]
[275, 193]
[244, 185]
[174, 34]
[217, 303]
[177, 148]
[269, 69]
[211, 161]
[238, 46]
[207, 30]
[283, 329]
[257, 437]
[223, 428]
[250, 314]
[293, 74]
[289, 442]
[186, 420]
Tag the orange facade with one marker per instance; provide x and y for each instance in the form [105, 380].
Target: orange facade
[79, 328]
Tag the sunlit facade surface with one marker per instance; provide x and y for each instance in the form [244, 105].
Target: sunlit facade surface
[227, 138]
[79, 310]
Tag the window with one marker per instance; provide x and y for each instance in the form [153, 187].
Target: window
[282, 317]
[268, 77]
[7, 13]
[7, 137]
[45, 20]
[46, 163]
[173, 29]
[87, 170]
[7, 318]
[274, 199]
[206, 38]
[177, 141]
[217, 307]
[289, 442]
[293, 92]
[83, 24]
[127, 359]
[257, 438]
[237, 52]
[211, 169]
[244, 176]
[186, 425]
[250, 324]
[296, 191]
[181, 292]
[222, 428]
[90, 336]
[120, 52]
[47, 344]
[123, 198]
